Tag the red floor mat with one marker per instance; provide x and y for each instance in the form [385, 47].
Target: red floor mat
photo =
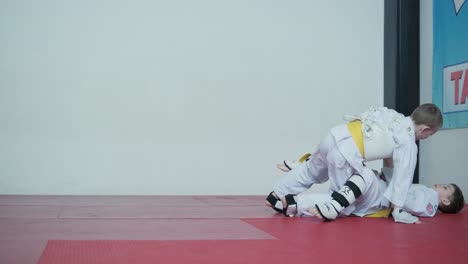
[304, 240]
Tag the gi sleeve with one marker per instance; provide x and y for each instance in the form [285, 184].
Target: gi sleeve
[404, 164]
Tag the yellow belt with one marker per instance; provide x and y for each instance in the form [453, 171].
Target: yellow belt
[382, 213]
[355, 128]
[304, 157]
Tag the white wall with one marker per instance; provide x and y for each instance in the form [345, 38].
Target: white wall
[443, 156]
[176, 97]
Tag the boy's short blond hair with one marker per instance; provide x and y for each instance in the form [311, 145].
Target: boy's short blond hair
[429, 115]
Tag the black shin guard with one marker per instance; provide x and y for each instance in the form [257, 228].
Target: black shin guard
[352, 189]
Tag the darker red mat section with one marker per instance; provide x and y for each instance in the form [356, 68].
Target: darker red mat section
[442, 239]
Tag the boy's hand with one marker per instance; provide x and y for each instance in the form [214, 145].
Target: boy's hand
[400, 216]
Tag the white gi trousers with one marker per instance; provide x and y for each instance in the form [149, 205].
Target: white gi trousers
[336, 159]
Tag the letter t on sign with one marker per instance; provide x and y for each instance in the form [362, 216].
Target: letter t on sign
[456, 76]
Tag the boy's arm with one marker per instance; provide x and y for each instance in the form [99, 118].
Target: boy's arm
[404, 159]
[399, 214]
[404, 164]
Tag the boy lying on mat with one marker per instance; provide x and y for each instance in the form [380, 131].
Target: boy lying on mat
[421, 201]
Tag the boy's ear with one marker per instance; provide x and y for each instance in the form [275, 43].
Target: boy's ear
[421, 128]
[425, 128]
[445, 202]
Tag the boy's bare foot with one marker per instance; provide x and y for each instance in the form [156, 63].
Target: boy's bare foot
[288, 165]
[282, 167]
[274, 202]
[267, 203]
[290, 205]
[283, 201]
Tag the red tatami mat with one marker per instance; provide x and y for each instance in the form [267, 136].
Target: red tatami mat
[443, 239]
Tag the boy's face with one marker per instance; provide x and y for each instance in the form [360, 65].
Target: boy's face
[444, 191]
[423, 132]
